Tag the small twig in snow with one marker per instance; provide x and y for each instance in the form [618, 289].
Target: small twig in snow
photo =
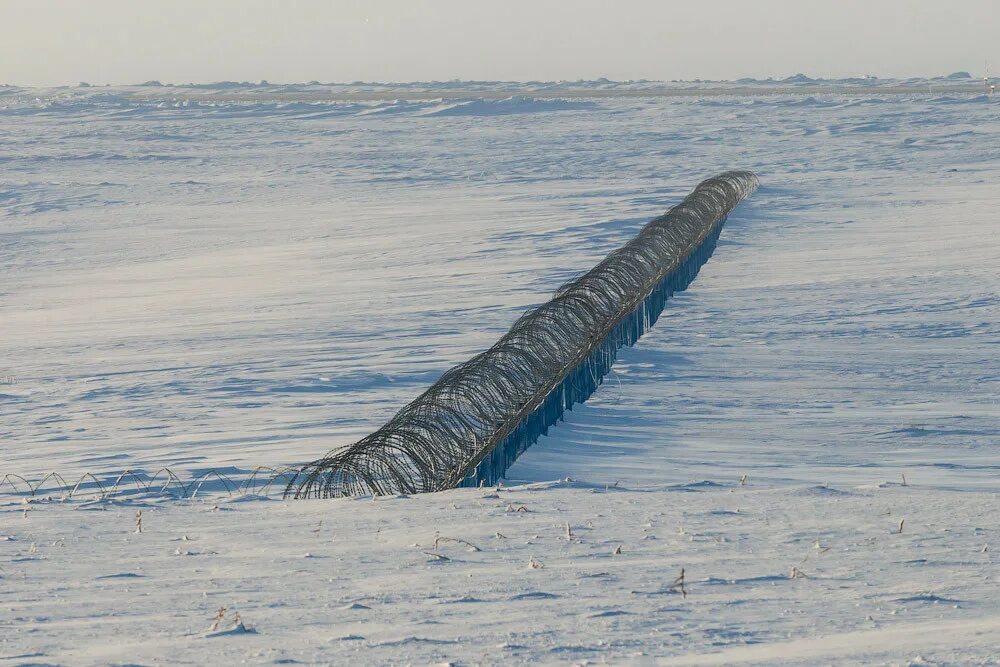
[820, 548]
[679, 584]
[220, 615]
[439, 539]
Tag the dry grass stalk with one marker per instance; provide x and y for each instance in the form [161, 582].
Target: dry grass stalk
[679, 584]
[220, 616]
[237, 621]
[441, 538]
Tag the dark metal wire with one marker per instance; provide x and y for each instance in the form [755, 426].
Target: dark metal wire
[517, 388]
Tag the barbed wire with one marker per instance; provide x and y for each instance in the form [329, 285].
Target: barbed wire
[471, 424]
[260, 481]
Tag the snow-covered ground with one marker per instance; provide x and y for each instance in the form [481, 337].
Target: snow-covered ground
[358, 582]
[226, 285]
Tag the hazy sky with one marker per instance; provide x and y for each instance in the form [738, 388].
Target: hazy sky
[49, 42]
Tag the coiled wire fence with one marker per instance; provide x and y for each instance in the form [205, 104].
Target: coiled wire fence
[260, 481]
[470, 425]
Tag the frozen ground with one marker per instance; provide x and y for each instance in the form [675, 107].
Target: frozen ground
[355, 581]
[230, 285]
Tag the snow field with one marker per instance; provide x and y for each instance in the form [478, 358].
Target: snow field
[231, 285]
[491, 576]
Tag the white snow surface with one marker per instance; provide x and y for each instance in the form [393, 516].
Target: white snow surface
[221, 285]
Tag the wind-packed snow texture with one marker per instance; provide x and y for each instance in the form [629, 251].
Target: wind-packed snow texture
[229, 284]
[240, 285]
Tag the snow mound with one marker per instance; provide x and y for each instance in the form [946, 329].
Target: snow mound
[516, 104]
[820, 491]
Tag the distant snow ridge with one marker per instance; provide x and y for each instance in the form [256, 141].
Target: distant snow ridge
[471, 424]
[511, 105]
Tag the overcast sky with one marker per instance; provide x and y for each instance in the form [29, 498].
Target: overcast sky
[50, 42]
